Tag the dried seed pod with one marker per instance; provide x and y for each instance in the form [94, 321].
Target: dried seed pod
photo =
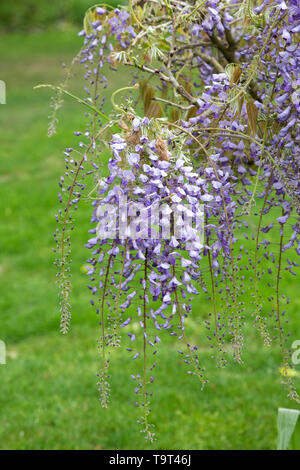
[162, 149]
[237, 72]
[133, 137]
[252, 116]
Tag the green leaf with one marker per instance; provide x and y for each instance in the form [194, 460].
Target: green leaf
[286, 423]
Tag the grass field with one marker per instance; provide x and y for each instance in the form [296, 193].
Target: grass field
[48, 397]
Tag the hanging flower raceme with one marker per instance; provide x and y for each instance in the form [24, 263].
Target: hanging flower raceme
[149, 214]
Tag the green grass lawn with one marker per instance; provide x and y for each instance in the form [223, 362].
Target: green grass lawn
[48, 397]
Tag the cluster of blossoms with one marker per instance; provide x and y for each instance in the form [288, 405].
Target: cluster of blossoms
[208, 126]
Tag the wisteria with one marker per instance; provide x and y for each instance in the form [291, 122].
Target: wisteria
[203, 141]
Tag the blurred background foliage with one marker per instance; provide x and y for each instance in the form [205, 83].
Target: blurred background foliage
[31, 15]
